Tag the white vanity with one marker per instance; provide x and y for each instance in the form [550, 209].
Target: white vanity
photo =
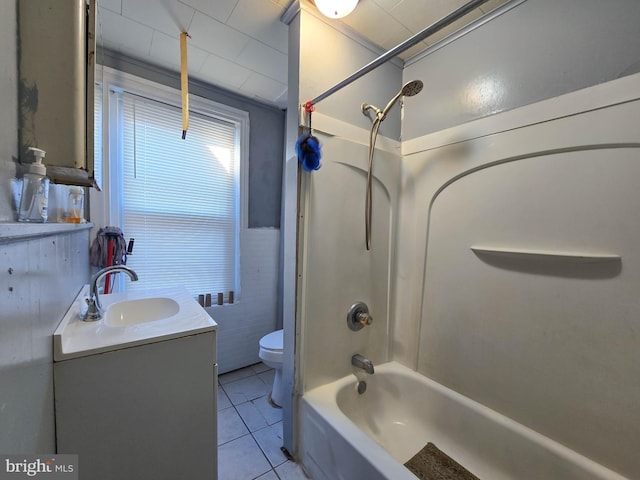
[135, 395]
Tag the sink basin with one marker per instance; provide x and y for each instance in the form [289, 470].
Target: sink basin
[143, 310]
[130, 320]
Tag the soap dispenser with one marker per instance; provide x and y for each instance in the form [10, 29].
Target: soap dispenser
[34, 202]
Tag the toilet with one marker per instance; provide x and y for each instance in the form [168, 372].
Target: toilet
[271, 355]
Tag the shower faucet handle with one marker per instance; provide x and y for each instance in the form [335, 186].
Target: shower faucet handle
[364, 318]
[358, 316]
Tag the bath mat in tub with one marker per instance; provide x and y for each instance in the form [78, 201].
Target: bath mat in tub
[431, 463]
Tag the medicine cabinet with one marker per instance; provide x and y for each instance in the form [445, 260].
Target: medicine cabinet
[56, 86]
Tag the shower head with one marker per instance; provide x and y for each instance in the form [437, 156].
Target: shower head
[412, 88]
[409, 89]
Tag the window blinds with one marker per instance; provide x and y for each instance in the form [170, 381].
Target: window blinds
[97, 134]
[180, 197]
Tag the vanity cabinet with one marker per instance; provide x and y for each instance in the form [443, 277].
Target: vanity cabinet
[142, 413]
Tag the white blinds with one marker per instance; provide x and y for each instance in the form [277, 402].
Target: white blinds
[180, 197]
[97, 134]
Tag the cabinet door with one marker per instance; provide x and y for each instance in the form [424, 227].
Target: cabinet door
[144, 413]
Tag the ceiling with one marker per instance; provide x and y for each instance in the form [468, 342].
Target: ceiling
[241, 45]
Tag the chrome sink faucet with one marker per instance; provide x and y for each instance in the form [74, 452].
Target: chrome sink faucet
[94, 310]
[365, 364]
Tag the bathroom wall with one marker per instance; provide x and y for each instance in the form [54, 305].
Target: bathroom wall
[569, 45]
[335, 270]
[241, 325]
[538, 49]
[39, 278]
[328, 56]
[40, 274]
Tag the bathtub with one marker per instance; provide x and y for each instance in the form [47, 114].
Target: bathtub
[348, 436]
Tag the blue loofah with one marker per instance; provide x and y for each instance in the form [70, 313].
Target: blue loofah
[308, 150]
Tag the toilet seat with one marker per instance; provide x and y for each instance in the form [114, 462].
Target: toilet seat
[273, 341]
[271, 346]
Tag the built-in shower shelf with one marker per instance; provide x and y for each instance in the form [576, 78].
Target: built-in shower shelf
[531, 254]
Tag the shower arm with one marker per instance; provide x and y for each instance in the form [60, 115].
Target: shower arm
[380, 114]
[365, 107]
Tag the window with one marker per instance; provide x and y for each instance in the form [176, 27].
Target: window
[180, 199]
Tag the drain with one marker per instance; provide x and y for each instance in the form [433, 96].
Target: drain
[362, 387]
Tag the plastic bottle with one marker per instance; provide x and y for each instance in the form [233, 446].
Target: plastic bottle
[34, 202]
[75, 205]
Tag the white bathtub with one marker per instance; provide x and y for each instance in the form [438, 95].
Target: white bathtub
[350, 436]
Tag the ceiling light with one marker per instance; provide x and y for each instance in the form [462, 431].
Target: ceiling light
[336, 8]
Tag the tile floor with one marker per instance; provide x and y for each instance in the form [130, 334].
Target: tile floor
[250, 429]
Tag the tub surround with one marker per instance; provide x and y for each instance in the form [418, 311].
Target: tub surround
[540, 340]
[537, 339]
[349, 273]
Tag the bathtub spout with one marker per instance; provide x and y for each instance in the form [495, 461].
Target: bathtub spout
[365, 364]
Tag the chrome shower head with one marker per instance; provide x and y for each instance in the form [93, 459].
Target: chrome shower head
[409, 89]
